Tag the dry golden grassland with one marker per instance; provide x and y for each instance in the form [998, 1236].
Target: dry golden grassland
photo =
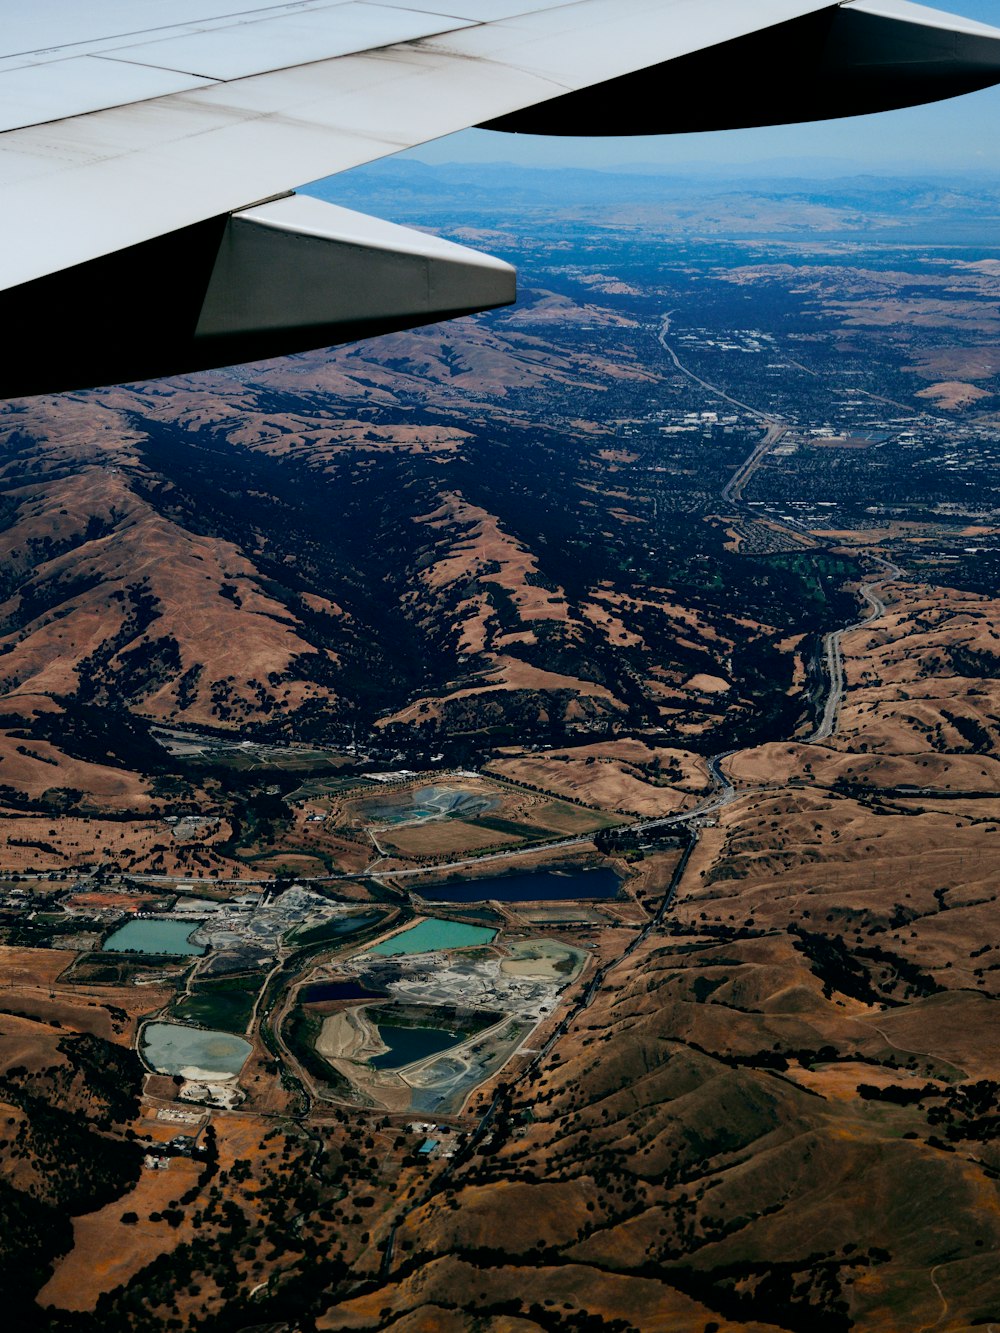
[626, 776]
[33, 982]
[108, 1252]
[443, 837]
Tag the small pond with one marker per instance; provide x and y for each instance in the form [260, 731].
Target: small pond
[409, 1044]
[530, 886]
[336, 928]
[433, 934]
[196, 1053]
[154, 936]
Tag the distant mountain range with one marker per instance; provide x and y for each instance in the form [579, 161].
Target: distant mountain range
[924, 207]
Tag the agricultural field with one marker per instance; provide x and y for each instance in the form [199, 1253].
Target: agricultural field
[463, 816]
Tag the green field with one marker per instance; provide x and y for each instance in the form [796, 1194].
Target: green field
[515, 829]
[225, 1004]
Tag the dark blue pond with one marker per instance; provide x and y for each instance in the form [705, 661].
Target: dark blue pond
[350, 924]
[338, 990]
[531, 886]
[409, 1044]
[330, 930]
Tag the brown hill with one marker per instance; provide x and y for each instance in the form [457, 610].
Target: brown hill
[783, 1104]
[375, 560]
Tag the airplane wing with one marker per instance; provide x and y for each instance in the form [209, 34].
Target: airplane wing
[149, 149]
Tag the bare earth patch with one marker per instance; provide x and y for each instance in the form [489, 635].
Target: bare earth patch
[952, 394]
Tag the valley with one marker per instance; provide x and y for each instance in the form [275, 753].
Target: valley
[509, 809]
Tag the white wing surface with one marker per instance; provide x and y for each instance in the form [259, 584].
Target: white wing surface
[145, 146]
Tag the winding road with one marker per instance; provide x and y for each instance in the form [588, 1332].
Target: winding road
[833, 650]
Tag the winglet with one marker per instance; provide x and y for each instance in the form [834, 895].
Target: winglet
[300, 272]
[277, 278]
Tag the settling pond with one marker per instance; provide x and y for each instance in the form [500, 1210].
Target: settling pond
[154, 936]
[530, 886]
[409, 1044]
[196, 1053]
[331, 930]
[433, 935]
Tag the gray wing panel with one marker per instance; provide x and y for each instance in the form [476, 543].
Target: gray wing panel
[79, 187]
[872, 55]
[283, 277]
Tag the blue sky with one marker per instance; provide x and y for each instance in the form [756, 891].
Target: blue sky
[959, 134]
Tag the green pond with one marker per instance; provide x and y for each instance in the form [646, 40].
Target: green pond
[154, 936]
[433, 935]
[196, 1053]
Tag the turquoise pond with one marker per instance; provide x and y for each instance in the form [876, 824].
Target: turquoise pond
[170, 1048]
[154, 936]
[432, 935]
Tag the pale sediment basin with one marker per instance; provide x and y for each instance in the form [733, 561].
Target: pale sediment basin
[547, 960]
[200, 1054]
[427, 803]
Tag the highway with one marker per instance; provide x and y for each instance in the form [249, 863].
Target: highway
[171, 881]
[724, 794]
[776, 429]
[732, 492]
[833, 656]
[704, 384]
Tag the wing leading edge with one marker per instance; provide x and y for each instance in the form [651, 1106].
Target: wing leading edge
[136, 154]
